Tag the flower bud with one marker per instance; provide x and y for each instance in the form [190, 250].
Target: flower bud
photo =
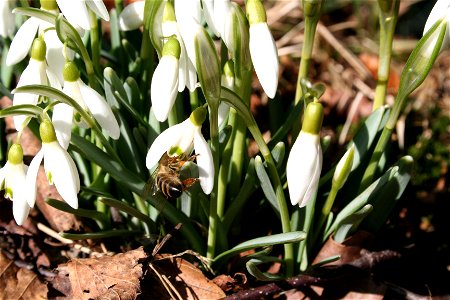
[343, 168]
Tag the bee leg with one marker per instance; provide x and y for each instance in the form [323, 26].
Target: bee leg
[187, 183]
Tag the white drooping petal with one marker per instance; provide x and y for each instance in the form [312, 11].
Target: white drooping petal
[170, 28]
[208, 12]
[222, 20]
[100, 109]
[63, 172]
[34, 73]
[188, 9]
[190, 75]
[440, 10]
[99, 8]
[303, 168]
[7, 21]
[22, 41]
[205, 162]
[132, 16]
[31, 178]
[313, 185]
[264, 56]
[162, 143]
[75, 12]
[62, 121]
[73, 90]
[164, 87]
[224, 109]
[54, 55]
[17, 177]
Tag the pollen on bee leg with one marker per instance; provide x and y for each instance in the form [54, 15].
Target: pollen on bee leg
[187, 183]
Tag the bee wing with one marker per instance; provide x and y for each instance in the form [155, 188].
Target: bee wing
[150, 188]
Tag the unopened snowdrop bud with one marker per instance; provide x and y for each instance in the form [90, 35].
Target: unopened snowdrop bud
[343, 168]
[305, 159]
[58, 165]
[179, 140]
[12, 180]
[263, 50]
[164, 86]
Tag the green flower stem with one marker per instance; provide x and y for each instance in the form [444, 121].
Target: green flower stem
[146, 53]
[99, 235]
[305, 62]
[284, 212]
[193, 98]
[239, 152]
[119, 6]
[213, 216]
[225, 166]
[244, 111]
[95, 42]
[387, 30]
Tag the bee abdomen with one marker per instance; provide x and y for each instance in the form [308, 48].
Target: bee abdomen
[170, 188]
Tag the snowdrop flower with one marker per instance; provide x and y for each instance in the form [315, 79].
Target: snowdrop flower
[164, 86]
[35, 73]
[188, 9]
[59, 168]
[7, 21]
[89, 100]
[132, 16]
[305, 159]
[12, 180]
[208, 8]
[263, 50]
[24, 37]
[77, 12]
[179, 140]
[440, 13]
[187, 76]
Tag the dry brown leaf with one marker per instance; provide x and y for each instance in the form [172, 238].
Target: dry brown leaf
[107, 277]
[18, 283]
[183, 280]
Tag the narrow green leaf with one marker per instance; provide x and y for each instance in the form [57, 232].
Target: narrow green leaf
[123, 206]
[86, 213]
[350, 223]
[390, 185]
[252, 268]
[278, 153]
[22, 109]
[266, 185]
[276, 239]
[100, 234]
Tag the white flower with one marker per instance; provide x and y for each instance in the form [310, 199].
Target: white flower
[89, 100]
[440, 11]
[263, 50]
[59, 168]
[132, 16]
[12, 180]
[35, 73]
[187, 76]
[179, 140]
[303, 168]
[24, 38]
[164, 86]
[209, 14]
[305, 159]
[7, 21]
[77, 12]
[188, 9]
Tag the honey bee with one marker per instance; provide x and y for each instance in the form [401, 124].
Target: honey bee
[166, 177]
